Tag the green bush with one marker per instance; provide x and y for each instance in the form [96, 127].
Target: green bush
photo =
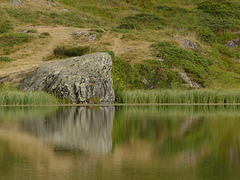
[64, 51]
[44, 35]
[223, 8]
[127, 26]
[11, 39]
[5, 27]
[219, 16]
[225, 51]
[152, 74]
[192, 62]
[206, 35]
[218, 23]
[169, 9]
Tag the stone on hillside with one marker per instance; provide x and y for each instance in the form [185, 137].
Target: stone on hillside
[85, 35]
[187, 44]
[80, 79]
[233, 43]
[185, 77]
[16, 2]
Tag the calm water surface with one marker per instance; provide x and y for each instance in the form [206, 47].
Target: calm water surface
[134, 142]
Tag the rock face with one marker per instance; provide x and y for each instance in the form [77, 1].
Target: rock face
[233, 43]
[185, 77]
[80, 79]
[16, 2]
[187, 44]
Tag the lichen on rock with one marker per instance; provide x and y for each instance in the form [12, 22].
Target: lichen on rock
[79, 79]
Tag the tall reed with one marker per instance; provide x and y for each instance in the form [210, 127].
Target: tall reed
[180, 96]
[26, 98]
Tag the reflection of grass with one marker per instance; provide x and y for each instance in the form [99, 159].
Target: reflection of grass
[154, 122]
[210, 143]
[10, 114]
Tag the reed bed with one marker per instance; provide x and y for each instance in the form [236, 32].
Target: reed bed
[180, 96]
[26, 98]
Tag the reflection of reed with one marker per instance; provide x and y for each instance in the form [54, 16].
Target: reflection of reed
[78, 128]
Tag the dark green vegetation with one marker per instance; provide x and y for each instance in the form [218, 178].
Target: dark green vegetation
[149, 74]
[64, 51]
[193, 63]
[142, 21]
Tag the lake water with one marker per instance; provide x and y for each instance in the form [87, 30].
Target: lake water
[123, 142]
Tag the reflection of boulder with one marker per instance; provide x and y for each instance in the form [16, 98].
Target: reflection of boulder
[78, 128]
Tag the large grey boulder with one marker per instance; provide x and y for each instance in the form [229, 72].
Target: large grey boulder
[81, 79]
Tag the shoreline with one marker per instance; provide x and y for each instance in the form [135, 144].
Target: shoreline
[128, 104]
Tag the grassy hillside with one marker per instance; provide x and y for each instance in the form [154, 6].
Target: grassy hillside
[147, 38]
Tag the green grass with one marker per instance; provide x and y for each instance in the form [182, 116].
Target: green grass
[142, 21]
[5, 59]
[12, 39]
[11, 96]
[35, 17]
[179, 96]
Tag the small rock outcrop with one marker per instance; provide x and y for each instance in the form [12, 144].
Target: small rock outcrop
[81, 79]
[187, 44]
[87, 35]
[233, 43]
[16, 2]
[185, 77]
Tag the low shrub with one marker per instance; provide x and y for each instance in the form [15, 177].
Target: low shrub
[219, 16]
[206, 35]
[191, 62]
[142, 20]
[152, 74]
[44, 35]
[5, 27]
[64, 51]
